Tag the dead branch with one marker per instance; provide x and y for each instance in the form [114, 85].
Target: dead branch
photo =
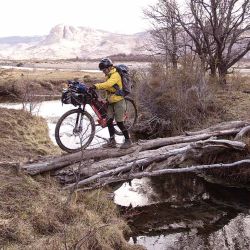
[224, 126]
[242, 133]
[126, 177]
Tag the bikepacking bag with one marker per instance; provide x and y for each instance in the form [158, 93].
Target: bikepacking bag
[126, 83]
[75, 94]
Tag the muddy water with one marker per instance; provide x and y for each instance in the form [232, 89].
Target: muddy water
[186, 212]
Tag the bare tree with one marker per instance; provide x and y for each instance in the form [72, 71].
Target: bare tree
[30, 101]
[165, 31]
[220, 31]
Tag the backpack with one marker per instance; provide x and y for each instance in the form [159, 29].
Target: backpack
[126, 83]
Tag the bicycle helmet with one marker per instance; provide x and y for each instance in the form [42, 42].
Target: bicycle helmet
[105, 63]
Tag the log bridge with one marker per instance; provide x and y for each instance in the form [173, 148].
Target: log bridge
[94, 168]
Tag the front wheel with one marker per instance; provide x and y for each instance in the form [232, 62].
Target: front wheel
[130, 115]
[75, 130]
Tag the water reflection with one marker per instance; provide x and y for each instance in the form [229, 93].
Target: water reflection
[186, 212]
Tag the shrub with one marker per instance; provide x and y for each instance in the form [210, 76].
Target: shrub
[20, 64]
[177, 100]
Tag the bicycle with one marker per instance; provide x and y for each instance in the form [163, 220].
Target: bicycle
[76, 129]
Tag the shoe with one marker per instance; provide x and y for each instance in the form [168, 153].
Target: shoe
[127, 144]
[110, 144]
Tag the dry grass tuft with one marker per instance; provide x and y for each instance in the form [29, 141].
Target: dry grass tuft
[23, 136]
[35, 214]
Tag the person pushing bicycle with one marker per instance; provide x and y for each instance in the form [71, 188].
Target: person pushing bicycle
[116, 103]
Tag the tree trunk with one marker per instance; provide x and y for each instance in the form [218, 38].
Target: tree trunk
[222, 70]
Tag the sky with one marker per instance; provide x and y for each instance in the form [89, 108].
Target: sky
[37, 17]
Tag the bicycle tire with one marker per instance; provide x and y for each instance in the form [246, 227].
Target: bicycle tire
[58, 134]
[129, 102]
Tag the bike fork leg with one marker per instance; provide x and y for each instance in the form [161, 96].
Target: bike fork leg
[78, 122]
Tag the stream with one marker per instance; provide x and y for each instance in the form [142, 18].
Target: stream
[184, 211]
[177, 211]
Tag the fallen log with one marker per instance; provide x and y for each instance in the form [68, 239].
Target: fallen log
[142, 160]
[222, 126]
[137, 158]
[130, 176]
[69, 159]
[228, 129]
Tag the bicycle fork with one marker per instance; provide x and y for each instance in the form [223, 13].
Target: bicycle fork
[78, 128]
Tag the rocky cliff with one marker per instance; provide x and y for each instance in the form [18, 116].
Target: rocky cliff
[65, 41]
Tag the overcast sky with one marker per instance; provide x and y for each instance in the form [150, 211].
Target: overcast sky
[37, 17]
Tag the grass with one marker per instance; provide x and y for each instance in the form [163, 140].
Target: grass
[35, 214]
[23, 136]
[47, 75]
[13, 82]
[236, 97]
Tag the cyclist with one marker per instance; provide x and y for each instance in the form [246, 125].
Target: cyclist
[116, 103]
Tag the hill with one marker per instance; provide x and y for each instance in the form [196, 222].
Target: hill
[65, 41]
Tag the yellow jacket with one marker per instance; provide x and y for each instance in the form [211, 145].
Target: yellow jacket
[112, 79]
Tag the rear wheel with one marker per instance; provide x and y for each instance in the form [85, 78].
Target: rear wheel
[130, 116]
[75, 130]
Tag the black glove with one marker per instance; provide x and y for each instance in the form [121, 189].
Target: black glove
[92, 91]
[93, 87]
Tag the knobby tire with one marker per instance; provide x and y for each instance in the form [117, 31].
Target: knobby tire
[58, 126]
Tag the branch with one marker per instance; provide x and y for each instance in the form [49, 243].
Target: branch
[242, 133]
[126, 177]
[170, 154]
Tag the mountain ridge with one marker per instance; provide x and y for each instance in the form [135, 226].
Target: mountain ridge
[67, 41]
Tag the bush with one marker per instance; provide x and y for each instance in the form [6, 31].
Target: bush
[20, 64]
[172, 101]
